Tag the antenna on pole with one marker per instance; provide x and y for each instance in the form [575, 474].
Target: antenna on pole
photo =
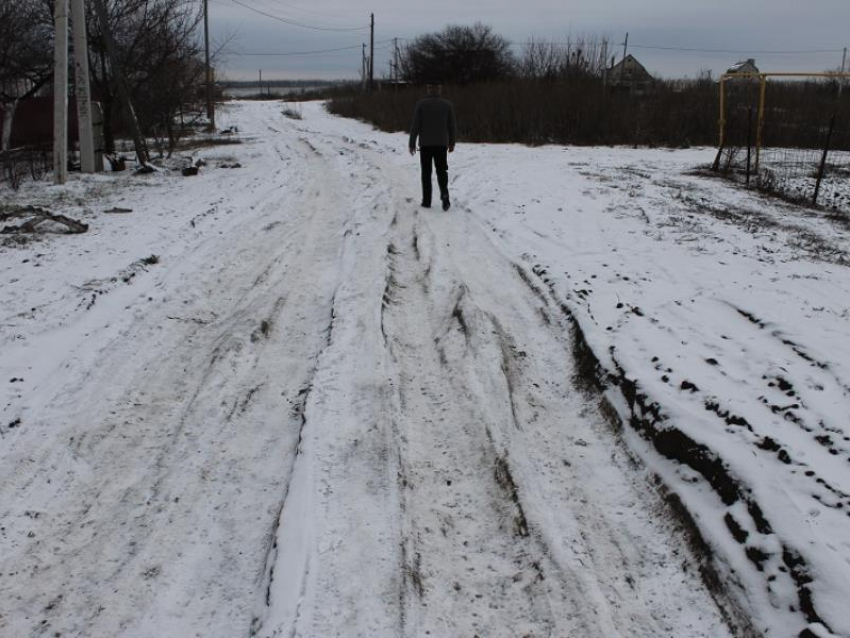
[625, 52]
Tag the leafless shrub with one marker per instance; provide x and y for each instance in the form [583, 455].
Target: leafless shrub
[293, 112]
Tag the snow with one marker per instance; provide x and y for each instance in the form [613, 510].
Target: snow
[279, 399]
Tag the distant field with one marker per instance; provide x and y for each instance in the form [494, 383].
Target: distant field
[272, 91]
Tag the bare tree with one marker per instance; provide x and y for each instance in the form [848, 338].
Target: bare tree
[541, 61]
[159, 50]
[457, 55]
[579, 58]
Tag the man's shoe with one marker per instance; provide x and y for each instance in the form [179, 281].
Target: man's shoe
[446, 204]
[425, 204]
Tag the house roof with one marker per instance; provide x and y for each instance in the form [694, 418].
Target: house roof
[635, 67]
[744, 66]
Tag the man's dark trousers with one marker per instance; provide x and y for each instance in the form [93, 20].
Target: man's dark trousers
[437, 155]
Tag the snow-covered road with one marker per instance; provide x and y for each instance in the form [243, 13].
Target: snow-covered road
[321, 412]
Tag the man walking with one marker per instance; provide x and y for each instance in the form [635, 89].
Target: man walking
[434, 125]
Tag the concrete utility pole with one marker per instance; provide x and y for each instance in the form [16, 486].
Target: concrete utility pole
[372, 54]
[843, 67]
[81, 83]
[60, 93]
[209, 78]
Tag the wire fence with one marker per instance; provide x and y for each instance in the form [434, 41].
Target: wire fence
[801, 149]
[28, 162]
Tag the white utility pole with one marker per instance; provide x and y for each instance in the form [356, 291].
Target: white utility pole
[843, 68]
[81, 83]
[60, 93]
[208, 70]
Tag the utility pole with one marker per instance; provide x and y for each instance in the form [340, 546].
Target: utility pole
[372, 54]
[261, 81]
[363, 67]
[625, 52]
[81, 84]
[842, 78]
[209, 78]
[60, 93]
[395, 50]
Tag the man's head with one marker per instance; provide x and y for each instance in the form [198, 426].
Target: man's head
[434, 89]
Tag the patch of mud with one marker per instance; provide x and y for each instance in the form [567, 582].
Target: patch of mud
[649, 420]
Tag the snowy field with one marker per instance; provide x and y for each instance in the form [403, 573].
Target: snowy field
[605, 395]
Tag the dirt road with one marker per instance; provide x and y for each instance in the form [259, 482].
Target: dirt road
[340, 416]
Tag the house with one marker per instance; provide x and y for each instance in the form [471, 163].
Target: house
[629, 72]
[19, 109]
[744, 66]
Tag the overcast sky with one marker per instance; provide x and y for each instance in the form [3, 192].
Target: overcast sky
[741, 28]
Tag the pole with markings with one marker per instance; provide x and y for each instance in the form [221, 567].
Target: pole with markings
[209, 78]
[60, 93]
[82, 87]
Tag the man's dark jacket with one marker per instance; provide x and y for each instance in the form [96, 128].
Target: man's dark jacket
[433, 123]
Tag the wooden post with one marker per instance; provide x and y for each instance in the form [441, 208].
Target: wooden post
[722, 121]
[749, 140]
[60, 93]
[83, 92]
[760, 127]
[721, 124]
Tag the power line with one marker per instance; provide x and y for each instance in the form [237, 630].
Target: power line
[288, 53]
[752, 51]
[694, 50]
[295, 22]
[291, 7]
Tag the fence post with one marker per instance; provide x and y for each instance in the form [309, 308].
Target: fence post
[760, 131]
[822, 168]
[749, 140]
